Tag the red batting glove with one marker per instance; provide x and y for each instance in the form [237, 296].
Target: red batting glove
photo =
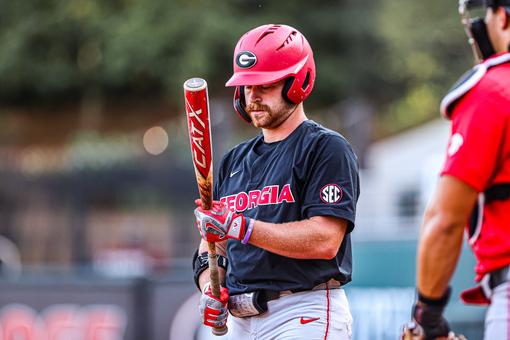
[213, 310]
[220, 223]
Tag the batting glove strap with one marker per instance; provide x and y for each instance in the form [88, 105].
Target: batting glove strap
[441, 302]
[238, 226]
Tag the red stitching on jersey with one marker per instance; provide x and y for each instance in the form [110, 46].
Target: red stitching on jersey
[327, 312]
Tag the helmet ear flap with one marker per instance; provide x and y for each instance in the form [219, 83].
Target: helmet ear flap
[289, 82]
[297, 89]
[240, 104]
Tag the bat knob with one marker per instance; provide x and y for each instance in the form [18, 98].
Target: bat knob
[220, 331]
[195, 84]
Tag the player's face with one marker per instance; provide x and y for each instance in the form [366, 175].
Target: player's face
[497, 28]
[266, 106]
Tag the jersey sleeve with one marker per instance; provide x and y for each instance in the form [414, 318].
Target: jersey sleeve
[332, 182]
[478, 128]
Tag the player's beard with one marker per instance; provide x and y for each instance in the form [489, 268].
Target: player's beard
[270, 118]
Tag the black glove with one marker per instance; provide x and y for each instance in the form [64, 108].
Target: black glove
[428, 313]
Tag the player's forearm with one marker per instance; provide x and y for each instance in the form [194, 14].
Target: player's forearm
[205, 275]
[442, 234]
[438, 252]
[307, 239]
[221, 247]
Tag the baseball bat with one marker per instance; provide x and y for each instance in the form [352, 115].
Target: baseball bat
[197, 111]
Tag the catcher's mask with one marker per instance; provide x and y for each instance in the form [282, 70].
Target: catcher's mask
[268, 54]
[476, 29]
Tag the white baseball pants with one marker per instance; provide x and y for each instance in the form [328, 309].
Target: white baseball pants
[310, 315]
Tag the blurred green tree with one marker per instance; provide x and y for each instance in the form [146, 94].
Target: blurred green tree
[398, 55]
[425, 51]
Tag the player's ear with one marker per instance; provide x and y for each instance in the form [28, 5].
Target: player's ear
[502, 14]
[240, 104]
[506, 13]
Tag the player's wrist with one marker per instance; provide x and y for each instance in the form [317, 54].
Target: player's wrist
[441, 301]
[250, 222]
[205, 287]
[239, 228]
[201, 268]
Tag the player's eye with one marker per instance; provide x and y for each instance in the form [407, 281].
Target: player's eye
[267, 87]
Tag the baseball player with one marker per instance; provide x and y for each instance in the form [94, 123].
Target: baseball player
[285, 207]
[474, 187]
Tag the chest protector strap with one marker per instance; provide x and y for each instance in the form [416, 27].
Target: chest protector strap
[498, 192]
[467, 82]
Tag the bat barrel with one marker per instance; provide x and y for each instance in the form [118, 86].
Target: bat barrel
[197, 110]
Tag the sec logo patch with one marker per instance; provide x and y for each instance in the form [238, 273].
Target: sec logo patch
[331, 194]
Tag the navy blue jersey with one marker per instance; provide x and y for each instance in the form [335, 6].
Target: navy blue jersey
[313, 172]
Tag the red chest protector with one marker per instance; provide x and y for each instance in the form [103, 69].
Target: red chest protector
[468, 81]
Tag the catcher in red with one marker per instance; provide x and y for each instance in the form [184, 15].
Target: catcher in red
[472, 196]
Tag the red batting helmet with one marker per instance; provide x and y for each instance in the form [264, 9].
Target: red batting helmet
[268, 54]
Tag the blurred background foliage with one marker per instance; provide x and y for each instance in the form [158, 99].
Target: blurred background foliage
[398, 56]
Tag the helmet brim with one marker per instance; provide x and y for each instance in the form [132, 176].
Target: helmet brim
[255, 78]
[248, 77]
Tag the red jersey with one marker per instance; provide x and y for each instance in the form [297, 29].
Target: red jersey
[478, 154]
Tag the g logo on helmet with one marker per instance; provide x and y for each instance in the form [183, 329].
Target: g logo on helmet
[246, 59]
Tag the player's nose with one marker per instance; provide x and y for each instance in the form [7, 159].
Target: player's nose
[253, 94]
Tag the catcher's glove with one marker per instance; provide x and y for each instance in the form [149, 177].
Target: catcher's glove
[428, 320]
[413, 331]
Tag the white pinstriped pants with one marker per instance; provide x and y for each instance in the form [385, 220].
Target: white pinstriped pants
[497, 320]
[310, 315]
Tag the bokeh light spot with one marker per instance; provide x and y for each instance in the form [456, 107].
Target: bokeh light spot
[155, 140]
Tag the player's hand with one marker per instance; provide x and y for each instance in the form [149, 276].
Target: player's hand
[413, 331]
[220, 223]
[430, 319]
[213, 310]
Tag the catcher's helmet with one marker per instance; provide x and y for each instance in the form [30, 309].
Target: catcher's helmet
[476, 28]
[268, 54]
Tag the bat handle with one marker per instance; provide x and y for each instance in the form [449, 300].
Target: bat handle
[215, 282]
